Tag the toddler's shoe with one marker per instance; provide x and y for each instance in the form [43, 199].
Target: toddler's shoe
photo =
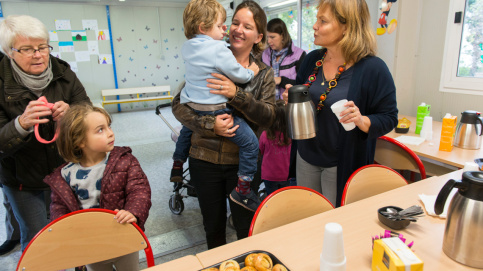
[249, 201]
[176, 174]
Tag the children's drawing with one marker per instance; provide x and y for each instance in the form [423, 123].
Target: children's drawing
[62, 25]
[82, 56]
[73, 66]
[78, 35]
[90, 25]
[66, 46]
[93, 47]
[385, 7]
[105, 59]
[53, 36]
[102, 34]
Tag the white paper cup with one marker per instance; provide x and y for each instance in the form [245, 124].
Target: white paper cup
[427, 128]
[333, 255]
[471, 166]
[339, 107]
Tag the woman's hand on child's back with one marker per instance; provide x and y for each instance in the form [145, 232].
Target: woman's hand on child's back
[124, 216]
[254, 67]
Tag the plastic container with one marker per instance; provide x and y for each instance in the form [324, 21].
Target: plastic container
[448, 129]
[423, 111]
[241, 259]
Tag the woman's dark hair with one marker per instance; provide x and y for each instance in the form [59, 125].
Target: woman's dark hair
[278, 131]
[278, 26]
[260, 21]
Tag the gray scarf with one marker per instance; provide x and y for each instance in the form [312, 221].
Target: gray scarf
[36, 83]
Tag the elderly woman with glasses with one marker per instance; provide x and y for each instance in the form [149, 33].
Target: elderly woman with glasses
[27, 73]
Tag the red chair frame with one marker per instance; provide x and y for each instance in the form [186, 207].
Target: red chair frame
[148, 250]
[418, 161]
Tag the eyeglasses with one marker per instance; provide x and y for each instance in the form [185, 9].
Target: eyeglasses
[43, 50]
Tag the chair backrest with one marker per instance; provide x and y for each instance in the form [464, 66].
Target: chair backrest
[287, 205]
[369, 181]
[83, 237]
[394, 154]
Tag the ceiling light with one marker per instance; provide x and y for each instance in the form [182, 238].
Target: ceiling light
[282, 3]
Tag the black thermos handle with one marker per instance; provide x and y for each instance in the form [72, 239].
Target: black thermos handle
[444, 193]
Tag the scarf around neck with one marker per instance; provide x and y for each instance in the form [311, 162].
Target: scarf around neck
[36, 83]
[276, 64]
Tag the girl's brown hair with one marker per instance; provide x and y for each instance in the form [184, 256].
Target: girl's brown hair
[201, 13]
[359, 40]
[278, 132]
[73, 129]
[260, 21]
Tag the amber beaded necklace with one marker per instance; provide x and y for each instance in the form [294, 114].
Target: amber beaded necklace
[332, 83]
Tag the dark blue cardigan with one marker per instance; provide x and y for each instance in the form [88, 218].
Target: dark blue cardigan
[373, 91]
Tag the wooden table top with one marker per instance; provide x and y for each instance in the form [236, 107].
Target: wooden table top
[430, 149]
[185, 263]
[299, 244]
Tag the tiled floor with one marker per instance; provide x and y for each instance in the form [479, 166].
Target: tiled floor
[171, 236]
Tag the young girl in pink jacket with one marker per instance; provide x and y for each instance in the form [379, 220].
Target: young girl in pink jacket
[275, 147]
[98, 175]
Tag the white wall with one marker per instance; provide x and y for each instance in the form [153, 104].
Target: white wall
[419, 57]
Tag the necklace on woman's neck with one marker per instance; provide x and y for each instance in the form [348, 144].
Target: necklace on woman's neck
[332, 83]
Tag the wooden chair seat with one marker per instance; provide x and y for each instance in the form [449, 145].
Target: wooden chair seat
[287, 205]
[81, 238]
[369, 181]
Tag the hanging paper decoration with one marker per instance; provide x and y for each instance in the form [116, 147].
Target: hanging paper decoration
[290, 14]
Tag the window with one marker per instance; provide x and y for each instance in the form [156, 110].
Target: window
[462, 70]
[288, 13]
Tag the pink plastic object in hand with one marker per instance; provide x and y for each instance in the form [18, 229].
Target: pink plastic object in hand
[36, 128]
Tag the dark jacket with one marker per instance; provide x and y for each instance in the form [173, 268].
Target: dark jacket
[124, 186]
[254, 101]
[25, 161]
[373, 91]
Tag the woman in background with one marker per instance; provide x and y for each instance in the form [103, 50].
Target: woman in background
[346, 68]
[282, 55]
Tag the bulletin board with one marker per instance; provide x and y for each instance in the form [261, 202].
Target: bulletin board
[146, 43]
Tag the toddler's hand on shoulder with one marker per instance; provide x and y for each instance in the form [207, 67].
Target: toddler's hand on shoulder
[254, 67]
[124, 216]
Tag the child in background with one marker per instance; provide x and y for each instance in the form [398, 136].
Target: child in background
[275, 147]
[98, 175]
[205, 53]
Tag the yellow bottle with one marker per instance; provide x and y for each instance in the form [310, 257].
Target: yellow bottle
[447, 133]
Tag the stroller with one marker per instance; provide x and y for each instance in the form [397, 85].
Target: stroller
[176, 204]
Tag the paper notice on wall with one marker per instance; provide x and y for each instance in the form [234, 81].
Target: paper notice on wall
[53, 36]
[93, 47]
[73, 66]
[82, 56]
[89, 25]
[105, 59]
[66, 46]
[62, 25]
[78, 35]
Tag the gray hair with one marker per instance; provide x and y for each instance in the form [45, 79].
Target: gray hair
[20, 25]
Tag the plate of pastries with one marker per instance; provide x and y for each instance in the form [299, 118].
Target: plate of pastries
[257, 260]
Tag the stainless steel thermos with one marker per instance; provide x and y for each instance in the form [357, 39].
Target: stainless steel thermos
[463, 234]
[301, 116]
[469, 130]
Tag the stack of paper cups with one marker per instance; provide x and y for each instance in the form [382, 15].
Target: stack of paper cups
[333, 256]
[427, 129]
